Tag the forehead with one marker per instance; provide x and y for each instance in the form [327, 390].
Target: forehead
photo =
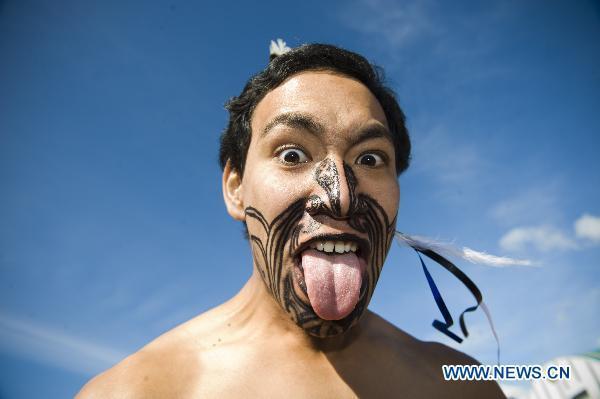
[338, 102]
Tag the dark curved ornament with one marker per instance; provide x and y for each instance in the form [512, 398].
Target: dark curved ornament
[444, 326]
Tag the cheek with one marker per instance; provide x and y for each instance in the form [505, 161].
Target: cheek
[388, 196]
[394, 199]
[273, 191]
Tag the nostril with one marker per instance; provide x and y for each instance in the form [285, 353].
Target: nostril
[314, 205]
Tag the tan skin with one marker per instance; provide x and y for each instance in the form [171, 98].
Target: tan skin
[249, 347]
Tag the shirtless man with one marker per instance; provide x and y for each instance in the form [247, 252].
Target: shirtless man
[311, 159]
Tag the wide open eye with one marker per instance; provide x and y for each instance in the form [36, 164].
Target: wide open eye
[371, 159]
[292, 156]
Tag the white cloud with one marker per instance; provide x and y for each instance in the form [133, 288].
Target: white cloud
[588, 227]
[52, 346]
[544, 238]
[548, 238]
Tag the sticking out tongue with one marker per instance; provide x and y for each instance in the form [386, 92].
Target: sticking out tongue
[332, 281]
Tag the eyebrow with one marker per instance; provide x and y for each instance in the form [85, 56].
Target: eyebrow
[373, 131]
[295, 120]
[307, 122]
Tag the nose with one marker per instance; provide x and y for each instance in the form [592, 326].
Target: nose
[338, 184]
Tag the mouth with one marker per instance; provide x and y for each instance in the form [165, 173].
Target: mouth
[336, 267]
[335, 243]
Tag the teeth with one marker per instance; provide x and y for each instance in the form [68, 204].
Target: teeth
[339, 247]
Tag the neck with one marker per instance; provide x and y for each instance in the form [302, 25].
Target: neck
[258, 316]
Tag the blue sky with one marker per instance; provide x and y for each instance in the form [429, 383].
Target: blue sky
[112, 224]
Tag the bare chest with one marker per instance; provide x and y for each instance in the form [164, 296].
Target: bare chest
[243, 373]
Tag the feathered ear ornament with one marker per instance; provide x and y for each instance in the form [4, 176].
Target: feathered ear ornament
[433, 250]
[277, 48]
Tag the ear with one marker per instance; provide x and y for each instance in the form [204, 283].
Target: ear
[232, 192]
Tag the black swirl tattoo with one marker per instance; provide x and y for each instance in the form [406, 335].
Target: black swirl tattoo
[328, 177]
[281, 230]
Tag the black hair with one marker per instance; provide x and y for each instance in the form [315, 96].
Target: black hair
[235, 139]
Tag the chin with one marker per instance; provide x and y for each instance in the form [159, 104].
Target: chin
[297, 305]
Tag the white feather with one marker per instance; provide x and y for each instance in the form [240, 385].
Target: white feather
[278, 48]
[465, 253]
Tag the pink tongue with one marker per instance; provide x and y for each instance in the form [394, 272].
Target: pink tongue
[332, 281]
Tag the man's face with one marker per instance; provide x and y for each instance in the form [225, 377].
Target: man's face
[320, 197]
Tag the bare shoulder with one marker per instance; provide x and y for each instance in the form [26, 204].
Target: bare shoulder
[424, 360]
[166, 367]
[125, 380]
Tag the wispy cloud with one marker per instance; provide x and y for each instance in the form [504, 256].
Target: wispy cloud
[431, 157]
[567, 310]
[426, 28]
[547, 238]
[455, 166]
[397, 24]
[587, 227]
[536, 202]
[52, 346]
[543, 238]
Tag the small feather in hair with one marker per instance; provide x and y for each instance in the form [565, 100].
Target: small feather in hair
[278, 48]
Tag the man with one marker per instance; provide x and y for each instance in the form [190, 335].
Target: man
[311, 159]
